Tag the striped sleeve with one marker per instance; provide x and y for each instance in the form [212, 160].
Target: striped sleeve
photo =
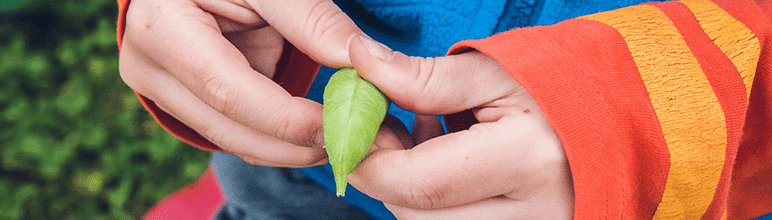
[663, 108]
[295, 72]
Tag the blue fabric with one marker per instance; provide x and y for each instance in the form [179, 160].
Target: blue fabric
[766, 217]
[426, 28]
[555, 11]
[258, 192]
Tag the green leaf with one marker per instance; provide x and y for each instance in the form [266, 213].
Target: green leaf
[353, 110]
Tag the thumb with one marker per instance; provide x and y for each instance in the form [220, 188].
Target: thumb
[434, 86]
[317, 27]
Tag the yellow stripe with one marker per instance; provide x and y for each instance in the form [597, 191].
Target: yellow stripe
[723, 216]
[688, 111]
[731, 36]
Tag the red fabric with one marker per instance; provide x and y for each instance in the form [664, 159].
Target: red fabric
[766, 6]
[123, 6]
[582, 75]
[728, 88]
[460, 121]
[199, 200]
[599, 108]
[297, 73]
[751, 188]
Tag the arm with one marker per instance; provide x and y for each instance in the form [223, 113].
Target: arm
[650, 103]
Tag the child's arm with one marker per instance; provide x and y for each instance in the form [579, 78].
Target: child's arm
[663, 109]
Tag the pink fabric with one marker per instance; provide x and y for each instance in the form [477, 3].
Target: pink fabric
[200, 200]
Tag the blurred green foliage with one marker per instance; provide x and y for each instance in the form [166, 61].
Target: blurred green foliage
[76, 142]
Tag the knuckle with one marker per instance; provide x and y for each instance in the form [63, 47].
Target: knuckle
[277, 122]
[296, 127]
[132, 74]
[323, 18]
[422, 194]
[219, 93]
[127, 73]
[284, 126]
[291, 132]
[139, 17]
[216, 133]
[421, 95]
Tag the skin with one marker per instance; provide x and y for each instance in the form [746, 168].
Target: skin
[208, 63]
[221, 87]
[509, 166]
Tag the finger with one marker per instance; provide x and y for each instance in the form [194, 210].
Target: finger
[393, 135]
[232, 15]
[260, 162]
[499, 207]
[187, 43]
[231, 136]
[466, 166]
[491, 208]
[317, 27]
[426, 127]
[262, 47]
[437, 86]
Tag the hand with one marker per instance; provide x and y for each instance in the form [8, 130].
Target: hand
[209, 64]
[511, 165]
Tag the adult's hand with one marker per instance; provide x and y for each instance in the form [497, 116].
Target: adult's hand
[509, 166]
[209, 64]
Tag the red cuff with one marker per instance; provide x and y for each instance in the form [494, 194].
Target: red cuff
[583, 77]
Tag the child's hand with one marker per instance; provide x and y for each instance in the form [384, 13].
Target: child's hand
[510, 165]
[209, 63]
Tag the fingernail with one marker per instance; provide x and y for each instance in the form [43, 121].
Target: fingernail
[376, 49]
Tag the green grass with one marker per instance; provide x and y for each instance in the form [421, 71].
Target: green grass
[76, 142]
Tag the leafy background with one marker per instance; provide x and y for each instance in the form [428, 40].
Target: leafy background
[76, 142]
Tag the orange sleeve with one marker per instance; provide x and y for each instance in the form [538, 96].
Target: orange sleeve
[663, 109]
[295, 73]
